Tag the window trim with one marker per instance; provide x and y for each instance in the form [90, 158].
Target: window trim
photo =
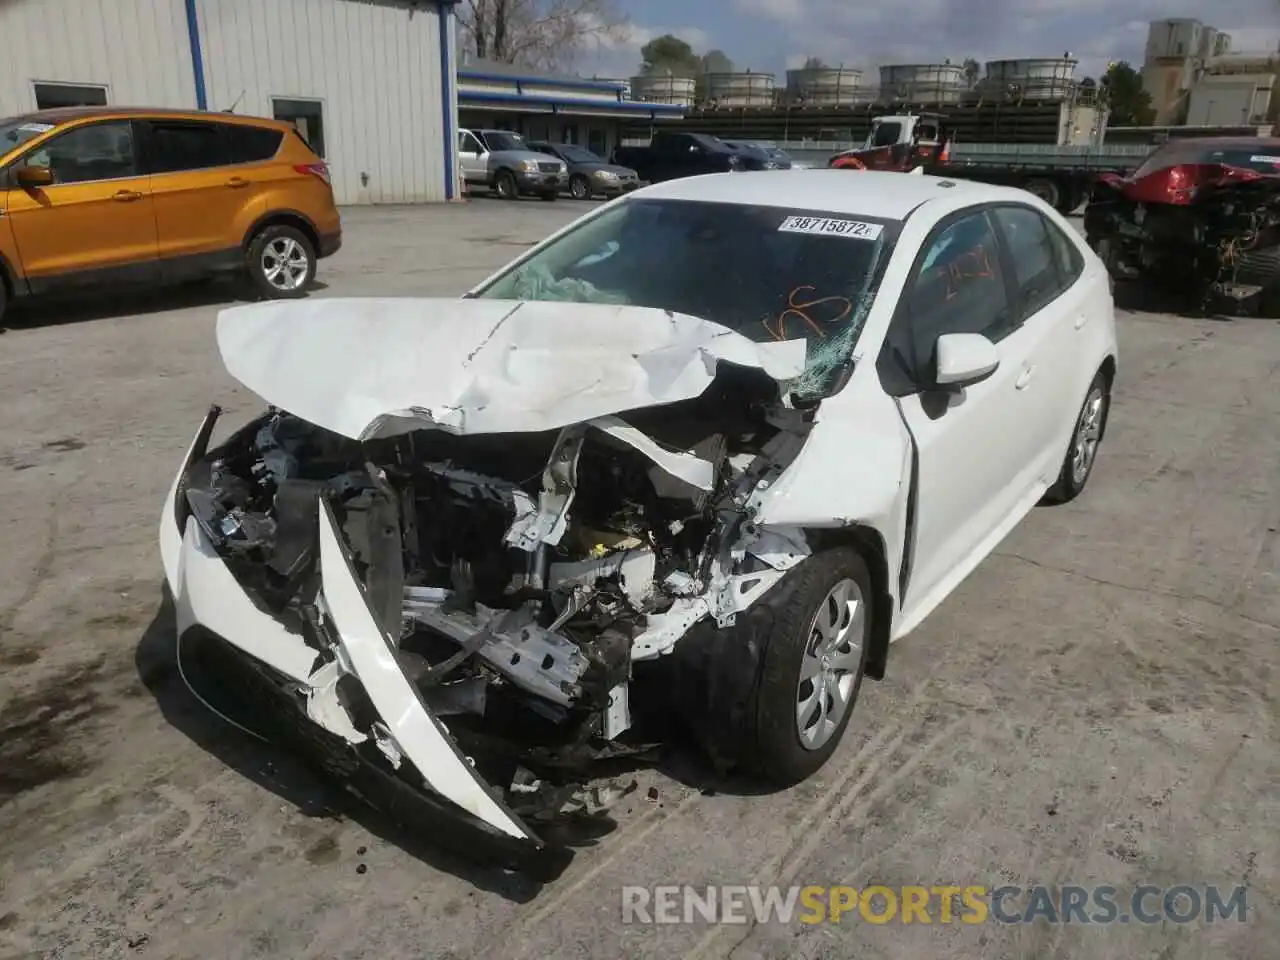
[902, 310]
[138, 160]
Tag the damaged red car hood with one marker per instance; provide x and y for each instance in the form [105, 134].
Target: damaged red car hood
[376, 367]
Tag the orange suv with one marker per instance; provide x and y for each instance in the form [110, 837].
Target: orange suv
[91, 195]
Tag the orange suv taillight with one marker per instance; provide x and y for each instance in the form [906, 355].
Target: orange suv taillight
[320, 170]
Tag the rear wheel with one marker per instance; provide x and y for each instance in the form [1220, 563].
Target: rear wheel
[1085, 440]
[1046, 190]
[281, 262]
[4, 299]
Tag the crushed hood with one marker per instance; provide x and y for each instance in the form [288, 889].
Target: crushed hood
[371, 367]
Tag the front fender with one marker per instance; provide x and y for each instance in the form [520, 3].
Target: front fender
[854, 470]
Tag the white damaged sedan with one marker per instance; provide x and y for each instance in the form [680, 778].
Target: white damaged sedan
[686, 467]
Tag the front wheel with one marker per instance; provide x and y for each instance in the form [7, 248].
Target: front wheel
[580, 188]
[1091, 423]
[281, 262]
[504, 185]
[813, 664]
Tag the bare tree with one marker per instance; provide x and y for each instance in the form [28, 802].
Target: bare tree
[542, 34]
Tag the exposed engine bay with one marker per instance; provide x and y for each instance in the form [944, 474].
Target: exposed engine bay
[519, 576]
[1207, 232]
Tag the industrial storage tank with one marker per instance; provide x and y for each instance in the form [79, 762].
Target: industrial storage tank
[663, 88]
[1042, 79]
[923, 82]
[737, 89]
[825, 86]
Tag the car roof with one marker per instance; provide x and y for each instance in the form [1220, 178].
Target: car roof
[68, 114]
[886, 196]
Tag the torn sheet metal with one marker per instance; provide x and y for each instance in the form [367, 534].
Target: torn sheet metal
[410, 727]
[368, 367]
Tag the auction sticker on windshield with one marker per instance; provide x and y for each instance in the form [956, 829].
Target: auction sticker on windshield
[829, 226]
[1263, 158]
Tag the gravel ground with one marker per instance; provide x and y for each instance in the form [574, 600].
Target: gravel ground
[1097, 704]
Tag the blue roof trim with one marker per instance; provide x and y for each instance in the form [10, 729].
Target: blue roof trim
[611, 86]
[559, 104]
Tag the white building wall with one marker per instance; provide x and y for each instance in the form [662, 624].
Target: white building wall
[374, 65]
[137, 49]
[1231, 99]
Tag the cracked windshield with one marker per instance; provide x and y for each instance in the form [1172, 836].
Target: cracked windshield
[769, 273]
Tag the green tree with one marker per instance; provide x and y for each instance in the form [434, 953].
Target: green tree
[972, 72]
[814, 63]
[1130, 104]
[668, 54]
[716, 61]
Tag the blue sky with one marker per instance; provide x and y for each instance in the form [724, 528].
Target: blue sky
[770, 35]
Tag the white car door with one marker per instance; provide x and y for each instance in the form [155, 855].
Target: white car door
[1053, 310]
[976, 447]
[473, 156]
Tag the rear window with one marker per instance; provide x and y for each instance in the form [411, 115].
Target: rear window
[1261, 157]
[186, 146]
[251, 144]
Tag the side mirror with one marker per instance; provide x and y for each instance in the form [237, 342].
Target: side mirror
[964, 359]
[34, 176]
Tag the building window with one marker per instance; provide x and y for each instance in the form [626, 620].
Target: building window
[307, 117]
[597, 141]
[51, 95]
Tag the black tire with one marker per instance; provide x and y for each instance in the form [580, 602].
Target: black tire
[504, 185]
[777, 753]
[550, 196]
[1104, 247]
[4, 300]
[275, 243]
[1047, 190]
[1072, 197]
[580, 187]
[1071, 481]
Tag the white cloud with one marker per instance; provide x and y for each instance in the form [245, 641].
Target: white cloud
[787, 11]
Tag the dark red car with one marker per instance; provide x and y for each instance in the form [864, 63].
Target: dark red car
[1199, 217]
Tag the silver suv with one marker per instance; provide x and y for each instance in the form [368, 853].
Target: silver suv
[501, 161]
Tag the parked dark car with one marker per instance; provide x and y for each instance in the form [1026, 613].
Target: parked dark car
[589, 175]
[672, 155]
[761, 156]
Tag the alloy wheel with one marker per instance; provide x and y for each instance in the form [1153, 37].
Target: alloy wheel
[832, 659]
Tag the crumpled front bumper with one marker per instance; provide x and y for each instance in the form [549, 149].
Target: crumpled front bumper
[207, 597]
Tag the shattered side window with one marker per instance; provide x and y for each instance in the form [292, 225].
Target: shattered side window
[769, 273]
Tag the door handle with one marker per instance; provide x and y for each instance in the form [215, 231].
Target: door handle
[237, 182]
[1024, 377]
[127, 196]
[1081, 320]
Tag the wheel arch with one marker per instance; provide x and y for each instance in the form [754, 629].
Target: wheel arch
[8, 279]
[870, 544]
[286, 218]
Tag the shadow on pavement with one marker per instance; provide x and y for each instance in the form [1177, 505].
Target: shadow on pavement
[284, 775]
[104, 303]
